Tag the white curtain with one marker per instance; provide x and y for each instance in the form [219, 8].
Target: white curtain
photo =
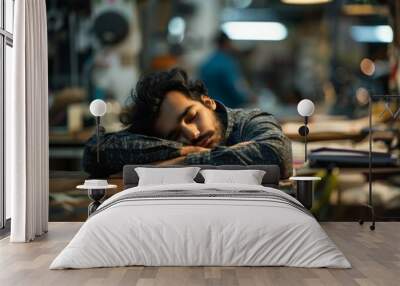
[27, 171]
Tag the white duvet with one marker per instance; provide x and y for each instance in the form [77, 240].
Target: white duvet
[183, 231]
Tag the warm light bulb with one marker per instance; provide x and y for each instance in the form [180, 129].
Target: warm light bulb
[305, 107]
[98, 107]
[367, 67]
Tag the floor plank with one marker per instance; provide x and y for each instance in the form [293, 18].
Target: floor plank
[375, 257]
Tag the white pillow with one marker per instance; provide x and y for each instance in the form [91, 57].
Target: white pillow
[248, 177]
[165, 176]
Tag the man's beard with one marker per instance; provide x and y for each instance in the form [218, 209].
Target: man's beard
[211, 138]
[218, 136]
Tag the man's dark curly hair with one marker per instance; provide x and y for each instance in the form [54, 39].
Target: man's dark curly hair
[149, 94]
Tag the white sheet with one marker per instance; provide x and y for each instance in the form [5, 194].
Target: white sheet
[200, 231]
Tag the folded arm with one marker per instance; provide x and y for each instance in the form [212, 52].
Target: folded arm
[122, 148]
[262, 143]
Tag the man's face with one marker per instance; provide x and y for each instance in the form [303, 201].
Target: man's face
[189, 121]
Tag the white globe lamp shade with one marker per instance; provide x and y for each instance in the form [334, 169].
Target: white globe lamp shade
[98, 107]
[305, 108]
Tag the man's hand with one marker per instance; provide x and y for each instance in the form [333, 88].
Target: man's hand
[186, 150]
[174, 161]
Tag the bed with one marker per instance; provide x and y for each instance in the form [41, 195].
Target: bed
[198, 224]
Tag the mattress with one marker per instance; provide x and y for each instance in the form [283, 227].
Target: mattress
[201, 225]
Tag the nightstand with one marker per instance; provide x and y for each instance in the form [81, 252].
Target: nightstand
[305, 190]
[96, 191]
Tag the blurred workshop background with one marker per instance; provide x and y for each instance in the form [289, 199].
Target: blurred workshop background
[278, 52]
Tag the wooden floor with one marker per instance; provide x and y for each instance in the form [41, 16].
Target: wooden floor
[375, 257]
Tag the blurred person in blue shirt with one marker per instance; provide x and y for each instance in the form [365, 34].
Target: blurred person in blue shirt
[222, 75]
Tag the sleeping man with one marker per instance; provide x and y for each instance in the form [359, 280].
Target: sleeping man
[172, 120]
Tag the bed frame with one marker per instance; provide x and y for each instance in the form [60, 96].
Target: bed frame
[271, 177]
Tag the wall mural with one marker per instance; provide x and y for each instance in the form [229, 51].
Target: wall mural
[214, 82]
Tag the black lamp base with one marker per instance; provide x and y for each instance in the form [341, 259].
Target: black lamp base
[304, 193]
[96, 195]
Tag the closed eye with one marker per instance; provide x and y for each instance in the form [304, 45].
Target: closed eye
[190, 116]
[187, 116]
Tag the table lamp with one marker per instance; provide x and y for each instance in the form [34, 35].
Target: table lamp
[96, 188]
[305, 108]
[98, 108]
[305, 185]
